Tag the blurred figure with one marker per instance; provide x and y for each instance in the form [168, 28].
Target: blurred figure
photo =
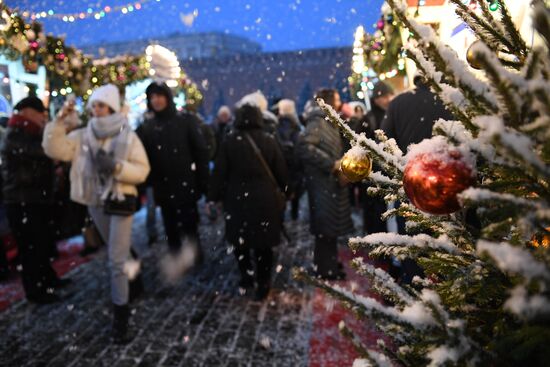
[179, 166]
[330, 210]
[374, 207]
[409, 119]
[222, 125]
[288, 132]
[258, 99]
[243, 180]
[28, 177]
[382, 95]
[4, 225]
[108, 161]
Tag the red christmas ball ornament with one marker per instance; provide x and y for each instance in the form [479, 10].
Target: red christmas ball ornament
[436, 173]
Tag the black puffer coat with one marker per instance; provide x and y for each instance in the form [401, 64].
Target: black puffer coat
[321, 146]
[410, 116]
[242, 183]
[178, 155]
[288, 133]
[27, 173]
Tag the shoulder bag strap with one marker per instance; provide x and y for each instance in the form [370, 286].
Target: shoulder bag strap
[262, 160]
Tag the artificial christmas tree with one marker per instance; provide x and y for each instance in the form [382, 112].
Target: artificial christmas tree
[484, 298]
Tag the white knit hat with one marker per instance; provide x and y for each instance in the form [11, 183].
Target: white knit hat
[287, 107]
[255, 99]
[107, 94]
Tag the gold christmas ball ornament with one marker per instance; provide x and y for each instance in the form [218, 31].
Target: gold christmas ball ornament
[471, 56]
[356, 165]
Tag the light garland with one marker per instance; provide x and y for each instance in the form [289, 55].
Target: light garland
[376, 56]
[69, 71]
[358, 53]
[97, 13]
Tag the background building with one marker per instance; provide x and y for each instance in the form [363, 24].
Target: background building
[293, 74]
[186, 46]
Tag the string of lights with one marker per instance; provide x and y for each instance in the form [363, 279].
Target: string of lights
[97, 13]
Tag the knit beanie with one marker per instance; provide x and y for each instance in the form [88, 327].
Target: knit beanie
[30, 102]
[255, 99]
[381, 89]
[107, 94]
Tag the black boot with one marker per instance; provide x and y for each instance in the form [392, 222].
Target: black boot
[119, 332]
[136, 288]
[262, 291]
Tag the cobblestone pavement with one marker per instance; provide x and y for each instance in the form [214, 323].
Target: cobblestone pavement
[200, 321]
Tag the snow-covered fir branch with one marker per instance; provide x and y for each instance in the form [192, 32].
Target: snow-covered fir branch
[379, 178]
[525, 305]
[421, 241]
[391, 163]
[513, 259]
[383, 279]
[417, 314]
[456, 131]
[475, 195]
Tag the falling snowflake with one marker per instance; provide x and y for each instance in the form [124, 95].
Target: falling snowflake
[265, 342]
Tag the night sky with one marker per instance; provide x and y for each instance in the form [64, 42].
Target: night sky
[275, 24]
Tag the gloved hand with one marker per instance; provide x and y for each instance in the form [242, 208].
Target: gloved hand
[105, 162]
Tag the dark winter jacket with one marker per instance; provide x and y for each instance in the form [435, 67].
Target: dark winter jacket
[288, 134]
[27, 173]
[321, 146]
[373, 120]
[270, 123]
[410, 116]
[209, 137]
[221, 130]
[178, 155]
[242, 183]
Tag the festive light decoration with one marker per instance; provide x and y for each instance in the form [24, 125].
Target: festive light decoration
[358, 52]
[432, 180]
[376, 56]
[68, 69]
[356, 167]
[542, 240]
[97, 13]
[494, 5]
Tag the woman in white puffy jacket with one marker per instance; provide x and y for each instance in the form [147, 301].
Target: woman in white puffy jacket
[108, 161]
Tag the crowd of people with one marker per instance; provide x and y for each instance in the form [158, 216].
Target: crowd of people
[249, 164]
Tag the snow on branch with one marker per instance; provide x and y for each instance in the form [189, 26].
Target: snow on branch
[484, 195]
[382, 278]
[391, 162]
[422, 241]
[476, 90]
[383, 180]
[520, 303]
[416, 314]
[510, 87]
[520, 145]
[456, 131]
[514, 259]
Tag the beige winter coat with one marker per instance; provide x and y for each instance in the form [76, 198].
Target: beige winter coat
[58, 145]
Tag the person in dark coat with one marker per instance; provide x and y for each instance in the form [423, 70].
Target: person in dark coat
[178, 155]
[374, 207]
[409, 120]
[222, 125]
[241, 181]
[288, 132]
[258, 99]
[410, 116]
[330, 210]
[28, 179]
